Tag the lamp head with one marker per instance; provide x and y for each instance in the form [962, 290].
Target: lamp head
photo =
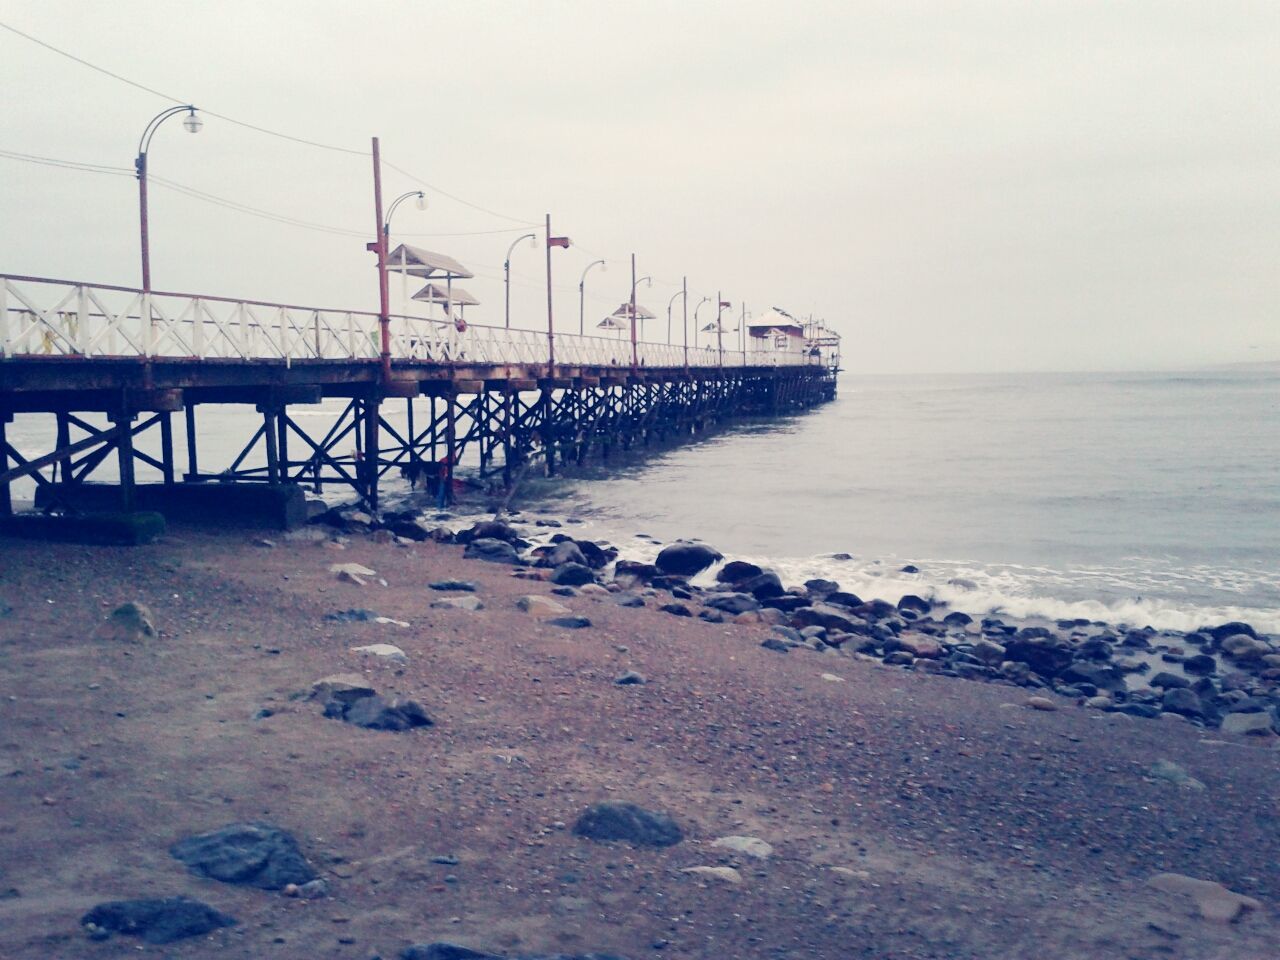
[192, 123]
[421, 201]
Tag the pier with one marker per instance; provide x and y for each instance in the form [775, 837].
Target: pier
[494, 396]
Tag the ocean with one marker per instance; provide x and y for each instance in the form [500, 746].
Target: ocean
[1138, 498]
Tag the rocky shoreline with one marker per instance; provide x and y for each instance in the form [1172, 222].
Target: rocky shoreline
[1220, 676]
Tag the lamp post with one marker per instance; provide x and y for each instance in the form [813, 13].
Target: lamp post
[386, 241]
[506, 274]
[192, 124]
[635, 356]
[695, 320]
[582, 287]
[551, 336]
[670, 304]
[724, 305]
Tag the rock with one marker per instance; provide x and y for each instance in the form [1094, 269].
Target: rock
[843, 598]
[250, 854]
[1166, 680]
[354, 615]
[465, 602]
[633, 568]
[542, 607]
[1102, 676]
[492, 551]
[915, 604]
[609, 821]
[919, 645]
[458, 586]
[490, 530]
[566, 551]
[357, 570]
[762, 586]
[957, 619]
[1242, 646]
[384, 651]
[631, 602]
[156, 921]
[676, 609]
[727, 874]
[826, 615]
[736, 570]
[445, 951]
[1041, 703]
[1171, 772]
[1182, 701]
[821, 588]
[379, 713]
[572, 574]
[1247, 723]
[686, 559]
[630, 678]
[411, 529]
[1213, 900]
[344, 687]
[1099, 703]
[1231, 629]
[833, 678]
[1047, 656]
[128, 623]
[747, 846]
[732, 603]
[988, 652]
[776, 645]
[570, 623]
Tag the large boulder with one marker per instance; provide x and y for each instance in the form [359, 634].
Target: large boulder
[634, 568]
[1242, 646]
[156, 921]
[566, 551]
[1047, 656]
[572, 574]
[736, 570]
[1102, 676]
[489, 530]
[685, 559]
[1182, 701]
[251, 854]
[915, 604]
[1231, 629]
[492, 550]
[628, 822]
[762, 586]
[825, 615]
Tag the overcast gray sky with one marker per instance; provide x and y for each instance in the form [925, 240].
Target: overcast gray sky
[954, 186]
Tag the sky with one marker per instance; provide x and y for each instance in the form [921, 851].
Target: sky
[953, 186]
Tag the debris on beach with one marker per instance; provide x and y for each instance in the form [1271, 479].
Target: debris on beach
[258, 855]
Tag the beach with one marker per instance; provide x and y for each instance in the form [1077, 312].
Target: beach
[908, 814]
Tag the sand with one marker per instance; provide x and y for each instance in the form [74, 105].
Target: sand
[910, 816]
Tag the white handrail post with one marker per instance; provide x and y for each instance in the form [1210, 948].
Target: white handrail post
[148, 334]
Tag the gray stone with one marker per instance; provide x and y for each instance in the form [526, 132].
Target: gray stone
[128, 623]
[570, 623]
[492, 551]
[776, 645]
[465, 602]
[379, 713]
[1182, 701]
[625, 821]
[566, 551]
[156, 921]
[686, 559]
[251, 854]
[630, 678]
[572, 574]
[1242, 723]
[732, 603]
[457, 586]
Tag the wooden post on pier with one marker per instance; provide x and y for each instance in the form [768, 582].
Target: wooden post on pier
[6, 501]
[124, 449]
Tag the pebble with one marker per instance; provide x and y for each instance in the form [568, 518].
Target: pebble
[1041, 703]
[728, 874]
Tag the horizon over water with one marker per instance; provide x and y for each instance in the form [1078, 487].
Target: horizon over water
[1139, 498]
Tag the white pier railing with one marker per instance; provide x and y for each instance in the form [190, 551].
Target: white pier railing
[40, 317]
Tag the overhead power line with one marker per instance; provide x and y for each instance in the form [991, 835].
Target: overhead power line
[66, 164]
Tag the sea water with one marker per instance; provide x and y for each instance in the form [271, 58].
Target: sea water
[1136, 498]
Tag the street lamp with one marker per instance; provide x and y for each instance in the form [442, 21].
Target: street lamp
[582, 286]
[506, 273]
[635, 309]
[386, 241]
[696, 329]
[192, 124]
[670, 304]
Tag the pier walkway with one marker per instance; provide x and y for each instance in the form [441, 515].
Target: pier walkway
[498, 396]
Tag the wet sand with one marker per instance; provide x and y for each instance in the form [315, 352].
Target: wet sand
[912, 816]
